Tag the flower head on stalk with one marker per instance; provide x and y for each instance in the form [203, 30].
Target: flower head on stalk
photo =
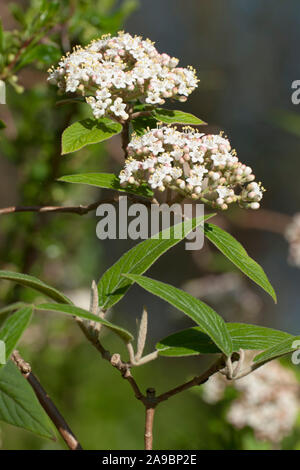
[196, 165]
[114, 71]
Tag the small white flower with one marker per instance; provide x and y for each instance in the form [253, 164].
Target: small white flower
[223, 192]
[118, 108]
[165, 159]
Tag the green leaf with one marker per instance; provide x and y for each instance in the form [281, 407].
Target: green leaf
[235, 252]
[47, 54]
[189, 342]
[113, 286]
[278, 350]
[88, 131]
[193, 341]
[81, 313]
[2, 125]
[169, 116]
[106, 180]
[13, 328]
[141, 123]
[210, 322]
[34, 283]
[18, 404]
[245, 336]
[11, 307]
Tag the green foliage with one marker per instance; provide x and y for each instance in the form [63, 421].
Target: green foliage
[281, 349]
[141, 123]
[210, 322]
[46, 54]
[87, 132]
[19, 405]
[12, 307]
[194, 341]
[234, 251]
[34, 283]
[35, 150]
[113, 285]
[168, 116]
[13, 328]
[81, 313]
[106, 180]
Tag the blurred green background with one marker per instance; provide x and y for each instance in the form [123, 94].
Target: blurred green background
[246, 55]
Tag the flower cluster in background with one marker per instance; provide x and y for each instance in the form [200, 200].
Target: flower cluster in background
[292, 234]
[268, 401]
[196, 165]
[113, 71]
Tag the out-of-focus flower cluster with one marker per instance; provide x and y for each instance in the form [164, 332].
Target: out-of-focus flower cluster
[268, 401]
[292, 234]
[196, 165]
[113, 71]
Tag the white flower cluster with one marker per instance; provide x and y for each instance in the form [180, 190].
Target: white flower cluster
[268, 401]
[112, 71]
[292, 234]
[197, 165]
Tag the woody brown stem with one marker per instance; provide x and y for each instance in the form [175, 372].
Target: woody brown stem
[46, 402]
[150, 411]
[149, 427]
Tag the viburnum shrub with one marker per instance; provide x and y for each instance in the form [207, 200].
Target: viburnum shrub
[124, 80]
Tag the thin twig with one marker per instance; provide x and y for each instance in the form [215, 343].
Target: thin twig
[46, 402]
[80, 210]
[115, 360]
[199, 380]
[12, 64]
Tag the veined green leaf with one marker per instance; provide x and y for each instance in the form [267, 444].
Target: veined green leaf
[281, 349]
[168, 116]
[113, 286]
[245, 336]
[34, 283]
[88, 131]
[81, 313]
[13, 328]
[107, 180]
[18, 404]
[235, 252]
[193, 341]
[210, 322]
